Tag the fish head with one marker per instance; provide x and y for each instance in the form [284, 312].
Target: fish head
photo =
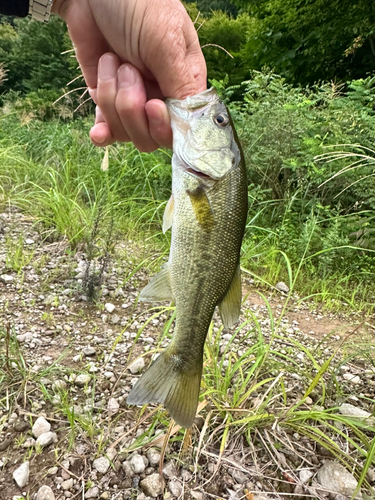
[204, 142]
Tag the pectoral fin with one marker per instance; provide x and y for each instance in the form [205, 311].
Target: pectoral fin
[201, 206]
[168, 214]
[230, 306]
[159, 288]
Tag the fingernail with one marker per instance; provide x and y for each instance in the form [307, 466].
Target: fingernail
[126, 76]
[107, 67]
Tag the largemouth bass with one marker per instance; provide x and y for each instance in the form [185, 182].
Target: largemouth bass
[207, 214]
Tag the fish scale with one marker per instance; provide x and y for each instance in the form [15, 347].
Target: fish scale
[207, 214]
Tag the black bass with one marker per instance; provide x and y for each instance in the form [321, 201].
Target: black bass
[207, 213]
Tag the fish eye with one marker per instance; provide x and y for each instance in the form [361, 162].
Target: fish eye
[222, 120]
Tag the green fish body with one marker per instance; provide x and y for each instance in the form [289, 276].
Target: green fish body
[207, 213]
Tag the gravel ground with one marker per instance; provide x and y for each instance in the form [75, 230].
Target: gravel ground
[65, 429]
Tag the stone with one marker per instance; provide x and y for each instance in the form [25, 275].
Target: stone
[25, 337]
[353, 411]
[152, 485]
[41, 425]
[29, 443]
[89, 351]
[197, 495]
[137, 366]
[113, 406]
[137, 463]
[60, 384]
[354, 379]
[92, 492]
[111, 454]
[305, 475]
[169, 470]
[101, 464]
[21, 475]
[67, 485]
[153, 457]
[45, 493]
[6, 278]
[175, 487]
[109, 307]
[128, 470]
[334, 477]
[46, 439]
[50, 299]
[82, 379]
[238, 476]
[282, 287]
[186, 475]
[29, 241]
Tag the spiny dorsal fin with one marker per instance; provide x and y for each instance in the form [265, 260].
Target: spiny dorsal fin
[159, 288]
[168, 214]
[230, 306]
[201, 206]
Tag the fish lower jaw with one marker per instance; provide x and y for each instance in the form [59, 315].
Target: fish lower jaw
[198, 174]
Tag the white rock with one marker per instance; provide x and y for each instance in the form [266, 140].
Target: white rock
[6, 278]
[111, 454]
[92, 492]
[89, 351]
[21, 475]
[29, 241]
[137, 366]
[354, 379]
[82, 380]
[152, 485]
[25, 337]
[334, 477]
[175, 487]
[353, 411]
[101, 465]
[68, 484]
[109, 307]
[113, 406]
[41, 425]
[282, 287]
[29, 443]
[153, 457]
[137, 463]
[305, 475]
[46, 439]
[45, 493]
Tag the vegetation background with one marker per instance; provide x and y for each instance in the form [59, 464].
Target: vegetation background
[299, 80]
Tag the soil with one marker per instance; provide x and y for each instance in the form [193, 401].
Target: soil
[47, 325]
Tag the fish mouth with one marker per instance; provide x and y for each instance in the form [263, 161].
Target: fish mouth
[198, 173]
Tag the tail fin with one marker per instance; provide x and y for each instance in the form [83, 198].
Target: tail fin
[165, 382]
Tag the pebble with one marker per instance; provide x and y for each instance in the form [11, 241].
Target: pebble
[89, 351]
[334, 477]
[198, 495]
[137, 463]
[29, 443]
[109, 307]
[238, 476]
[25, 337]
[6, 278]
[82, 379]
[45, 493]
[92, 492]
[282, 287]
[353, 411]
[41, 425]
[354, 379]
[153, 457]
[46, 439]
[21, 475]
[101, 465]
[152, 485]
[175, 487]
[305, 475]
[137, 366]
[113, 406]
[169, 470]
[5, 444]
[67, 485]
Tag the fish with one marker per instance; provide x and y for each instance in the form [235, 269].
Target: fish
[207, 215]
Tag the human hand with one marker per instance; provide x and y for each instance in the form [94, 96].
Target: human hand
[133, 54]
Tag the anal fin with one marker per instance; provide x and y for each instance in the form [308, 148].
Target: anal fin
[230, 306]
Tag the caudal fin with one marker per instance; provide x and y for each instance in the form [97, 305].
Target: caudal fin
[165, 382]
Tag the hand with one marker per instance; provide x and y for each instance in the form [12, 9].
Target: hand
[133, 54]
